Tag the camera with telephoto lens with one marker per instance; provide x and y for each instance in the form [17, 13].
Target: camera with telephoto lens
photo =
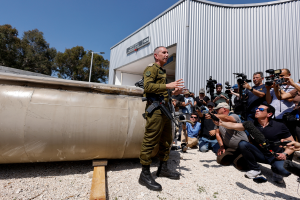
[242, 78]
[274, 76]
[210, 86]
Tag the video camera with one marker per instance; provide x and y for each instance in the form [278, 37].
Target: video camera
[274, 76]
[243, 78]
[228, 87]
[210, 86]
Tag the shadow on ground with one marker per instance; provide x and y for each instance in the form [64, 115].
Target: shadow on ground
[31, 170]
[275, 195]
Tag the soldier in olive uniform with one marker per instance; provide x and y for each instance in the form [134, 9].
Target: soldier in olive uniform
[158, 128]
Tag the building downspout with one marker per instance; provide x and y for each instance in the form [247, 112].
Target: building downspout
[187, 38]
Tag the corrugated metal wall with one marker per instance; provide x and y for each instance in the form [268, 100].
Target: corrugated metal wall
[223, 39]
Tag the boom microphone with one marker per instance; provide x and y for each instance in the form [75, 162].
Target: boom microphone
[292, 167]
[255, 134]
[258, 137]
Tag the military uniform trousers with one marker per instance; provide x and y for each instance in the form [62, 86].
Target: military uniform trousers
[158, 130]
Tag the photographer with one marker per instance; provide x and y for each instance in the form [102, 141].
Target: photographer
[220, 96]
[228, 138]
[207, 136]
[190, 133]
[273, 131]
[201, 100]
[189, 103]
[283, 106]
[295, 93]
[236, 99]
[256, 94]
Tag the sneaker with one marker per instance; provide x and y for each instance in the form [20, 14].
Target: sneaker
[184, 148]
[277, 178]
[252, 174]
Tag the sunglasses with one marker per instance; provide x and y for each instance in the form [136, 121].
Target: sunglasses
[219, 83]
[261, 109]
[194, 117]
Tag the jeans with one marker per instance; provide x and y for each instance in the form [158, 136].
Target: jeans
[204, 144]
[252, 155]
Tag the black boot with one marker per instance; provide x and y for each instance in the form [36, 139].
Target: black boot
[163, 171]
[147, 180]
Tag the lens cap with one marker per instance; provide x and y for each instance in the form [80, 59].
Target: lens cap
[260, 179]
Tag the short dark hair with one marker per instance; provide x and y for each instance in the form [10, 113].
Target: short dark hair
[156, 50]
[260, 73]
[195, 113]
[270, 109]
[219, 85]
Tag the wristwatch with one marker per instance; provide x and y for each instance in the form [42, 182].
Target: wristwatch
[286, 155]
[251, 89]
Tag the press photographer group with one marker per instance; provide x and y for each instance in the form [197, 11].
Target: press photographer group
[259, 125]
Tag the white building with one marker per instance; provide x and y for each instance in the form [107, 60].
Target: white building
[212, 39]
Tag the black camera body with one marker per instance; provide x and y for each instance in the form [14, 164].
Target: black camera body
[210, 87]
[210, 83]
[242, 78]
[274, 76]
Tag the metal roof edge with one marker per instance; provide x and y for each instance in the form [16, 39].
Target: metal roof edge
[244, 5]
[210, 3]
[170, 8]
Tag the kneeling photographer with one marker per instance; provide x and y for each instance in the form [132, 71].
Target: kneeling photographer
[271, 132]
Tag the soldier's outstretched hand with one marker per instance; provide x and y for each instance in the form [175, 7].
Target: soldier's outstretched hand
[176, 84]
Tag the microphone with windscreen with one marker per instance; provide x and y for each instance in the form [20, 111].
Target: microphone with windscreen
[259, 138]
[292, 167]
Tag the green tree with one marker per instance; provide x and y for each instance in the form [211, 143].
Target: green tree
[36, 54]
[9, 46]
[74, 64]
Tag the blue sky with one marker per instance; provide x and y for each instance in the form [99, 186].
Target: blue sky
[94, 24]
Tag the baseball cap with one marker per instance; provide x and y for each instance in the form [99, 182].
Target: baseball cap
[211, 104]
[222, 105]
[235, 86]
[186, 92]
[202, 91]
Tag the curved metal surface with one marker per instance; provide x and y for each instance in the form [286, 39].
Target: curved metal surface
[42, 124]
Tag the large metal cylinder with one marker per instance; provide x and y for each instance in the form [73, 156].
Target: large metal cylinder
[44, 119]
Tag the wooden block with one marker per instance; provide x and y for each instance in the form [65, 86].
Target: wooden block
[99, 163]
[98, 190]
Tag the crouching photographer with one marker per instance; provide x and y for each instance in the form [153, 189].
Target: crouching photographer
[271, 133]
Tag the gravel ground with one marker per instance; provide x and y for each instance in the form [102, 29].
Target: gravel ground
[201, 178]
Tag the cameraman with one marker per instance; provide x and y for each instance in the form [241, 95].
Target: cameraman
[294, 94]
[220, 96]
[283, 106]
[256, 94]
